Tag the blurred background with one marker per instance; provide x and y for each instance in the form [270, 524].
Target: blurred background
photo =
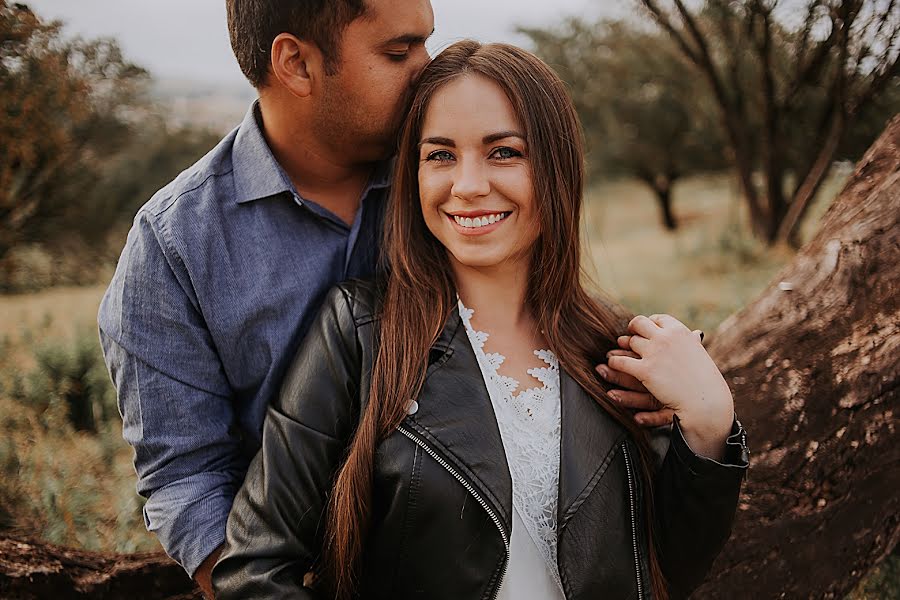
[717, 135]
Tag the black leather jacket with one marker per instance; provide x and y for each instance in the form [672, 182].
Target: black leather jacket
[442, 506]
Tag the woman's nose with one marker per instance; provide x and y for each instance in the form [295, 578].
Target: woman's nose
[470, 179]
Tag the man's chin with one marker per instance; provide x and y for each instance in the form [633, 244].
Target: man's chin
[377, 150]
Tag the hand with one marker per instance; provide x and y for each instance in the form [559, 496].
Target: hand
[668, 359]
[203, 574]
[633, 395]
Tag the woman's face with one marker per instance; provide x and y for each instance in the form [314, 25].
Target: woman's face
[475, 182]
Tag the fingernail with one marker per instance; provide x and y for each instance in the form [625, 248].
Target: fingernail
[614, 395]
[603, 372]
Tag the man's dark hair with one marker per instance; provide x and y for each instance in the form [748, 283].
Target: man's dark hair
[254, 24]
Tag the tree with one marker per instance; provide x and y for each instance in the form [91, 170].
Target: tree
[65, 106]
[641, 113]
[813, 366]
[811, 78]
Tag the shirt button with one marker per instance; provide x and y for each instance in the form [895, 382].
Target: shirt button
[413, 408]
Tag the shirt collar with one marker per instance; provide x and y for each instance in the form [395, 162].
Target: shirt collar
[258, 175]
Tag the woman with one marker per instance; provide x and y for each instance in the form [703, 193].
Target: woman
[401, 461]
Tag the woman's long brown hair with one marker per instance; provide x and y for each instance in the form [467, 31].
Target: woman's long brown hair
[420, 293]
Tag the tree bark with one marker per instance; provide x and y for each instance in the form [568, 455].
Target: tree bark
[814, 370]
[813, 364]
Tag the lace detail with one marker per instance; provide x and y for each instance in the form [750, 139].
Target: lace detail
[529, 424]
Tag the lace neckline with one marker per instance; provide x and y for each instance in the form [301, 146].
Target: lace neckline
[548, 375]
[529, 423]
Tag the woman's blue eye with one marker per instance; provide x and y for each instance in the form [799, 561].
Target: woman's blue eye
[439, 156]
[506, 153]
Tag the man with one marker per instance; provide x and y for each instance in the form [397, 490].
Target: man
[225, 267]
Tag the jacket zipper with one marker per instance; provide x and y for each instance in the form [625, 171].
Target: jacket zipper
[637, 563]
[474, 494]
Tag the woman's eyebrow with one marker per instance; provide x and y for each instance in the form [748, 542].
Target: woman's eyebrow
[488, 139]
[493, 137]
[438, 141]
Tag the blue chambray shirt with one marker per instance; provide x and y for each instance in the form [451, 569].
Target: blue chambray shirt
[223, 271]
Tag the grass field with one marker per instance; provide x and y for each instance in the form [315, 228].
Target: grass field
[77, 488]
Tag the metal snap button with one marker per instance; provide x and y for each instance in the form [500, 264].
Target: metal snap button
[413, 408]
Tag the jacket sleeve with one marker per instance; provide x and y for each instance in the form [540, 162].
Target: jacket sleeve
[274, 531]
[695, 499]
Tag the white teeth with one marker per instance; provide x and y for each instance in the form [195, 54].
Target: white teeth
[482, 221]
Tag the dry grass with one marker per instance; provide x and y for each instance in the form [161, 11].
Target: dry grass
[56, 313]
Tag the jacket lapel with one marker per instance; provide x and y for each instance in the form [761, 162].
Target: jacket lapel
[455, 416]
[588, 442]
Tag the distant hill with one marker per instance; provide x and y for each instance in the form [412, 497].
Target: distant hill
[216, 106]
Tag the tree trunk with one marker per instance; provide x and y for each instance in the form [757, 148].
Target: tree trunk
[662, 187]
[790, 225]
[36, 571]
[744, 164]
[813, 366]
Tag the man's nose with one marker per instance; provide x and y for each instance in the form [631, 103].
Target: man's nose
[419, 61]
[470, 179]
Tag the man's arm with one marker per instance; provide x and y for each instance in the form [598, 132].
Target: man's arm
[173, 395]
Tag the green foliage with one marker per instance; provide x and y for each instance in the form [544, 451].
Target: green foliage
[642, 114]
[69, 380]
[777, 93]
[639, 104]
[154, 156]
[797, 86]
[65, 472]
[65, 106]
[883, 583]
[81, 148]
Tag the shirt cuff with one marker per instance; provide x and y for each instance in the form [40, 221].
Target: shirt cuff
[737, 453]
[189, 529]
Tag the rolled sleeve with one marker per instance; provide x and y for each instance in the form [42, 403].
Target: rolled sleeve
[189, 516]
[174, 398]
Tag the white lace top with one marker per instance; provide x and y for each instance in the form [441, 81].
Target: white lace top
[529, 422]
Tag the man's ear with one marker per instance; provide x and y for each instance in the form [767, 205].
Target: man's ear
[297, 64]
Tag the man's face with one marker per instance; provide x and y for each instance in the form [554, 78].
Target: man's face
[381, 56]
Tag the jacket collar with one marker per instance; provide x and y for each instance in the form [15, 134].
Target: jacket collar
[455, 418]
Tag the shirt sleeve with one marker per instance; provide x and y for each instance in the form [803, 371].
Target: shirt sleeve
[173, 395]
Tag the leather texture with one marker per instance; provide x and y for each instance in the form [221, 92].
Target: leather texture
[442, 504]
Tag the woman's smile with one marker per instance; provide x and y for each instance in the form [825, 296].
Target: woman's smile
[478, 222]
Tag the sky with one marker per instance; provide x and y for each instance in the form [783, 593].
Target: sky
[188, 40]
